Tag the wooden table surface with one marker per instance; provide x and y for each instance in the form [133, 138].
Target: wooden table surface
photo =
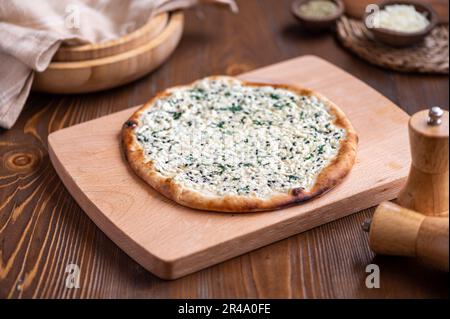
[42, 229]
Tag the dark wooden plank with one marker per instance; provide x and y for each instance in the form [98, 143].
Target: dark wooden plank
[42, 229]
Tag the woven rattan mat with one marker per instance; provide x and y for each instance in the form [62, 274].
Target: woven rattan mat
[429, 56]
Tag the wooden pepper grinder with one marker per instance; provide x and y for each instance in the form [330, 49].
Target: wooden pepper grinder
[426, 190]
[395, 230]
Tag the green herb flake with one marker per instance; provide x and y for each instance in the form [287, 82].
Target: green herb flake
[320, 149]
[235, 108]
[245, 189]
[274, 96]
[221, 169]
[176, 115]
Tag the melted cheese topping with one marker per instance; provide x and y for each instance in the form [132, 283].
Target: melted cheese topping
[220, 137]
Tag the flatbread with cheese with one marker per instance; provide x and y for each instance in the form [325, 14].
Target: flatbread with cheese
[221, 144]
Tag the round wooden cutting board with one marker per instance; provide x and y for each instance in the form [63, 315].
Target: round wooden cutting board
[111, 71]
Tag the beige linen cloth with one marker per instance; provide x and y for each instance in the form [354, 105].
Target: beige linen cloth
[32, 31]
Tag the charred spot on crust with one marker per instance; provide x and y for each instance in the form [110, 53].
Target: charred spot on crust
[130, 124]
[297, 191]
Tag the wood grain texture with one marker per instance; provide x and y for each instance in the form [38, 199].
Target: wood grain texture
[111, 71]
[181, 240]
[42, 229]
[395, 230]
[432, 242]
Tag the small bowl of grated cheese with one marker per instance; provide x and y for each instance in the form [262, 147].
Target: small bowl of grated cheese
[317, 15]
[401, 23]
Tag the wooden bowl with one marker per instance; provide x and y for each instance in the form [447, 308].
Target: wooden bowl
[317, 24]
[111, 71]
[125, 43]
[403, 39]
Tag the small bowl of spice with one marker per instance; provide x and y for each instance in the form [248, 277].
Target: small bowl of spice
[401, 23]
[317, 14]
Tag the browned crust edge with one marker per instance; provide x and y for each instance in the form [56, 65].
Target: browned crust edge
[330, 176]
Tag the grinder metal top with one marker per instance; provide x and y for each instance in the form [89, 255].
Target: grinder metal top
[433, 122]
[435, 116]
